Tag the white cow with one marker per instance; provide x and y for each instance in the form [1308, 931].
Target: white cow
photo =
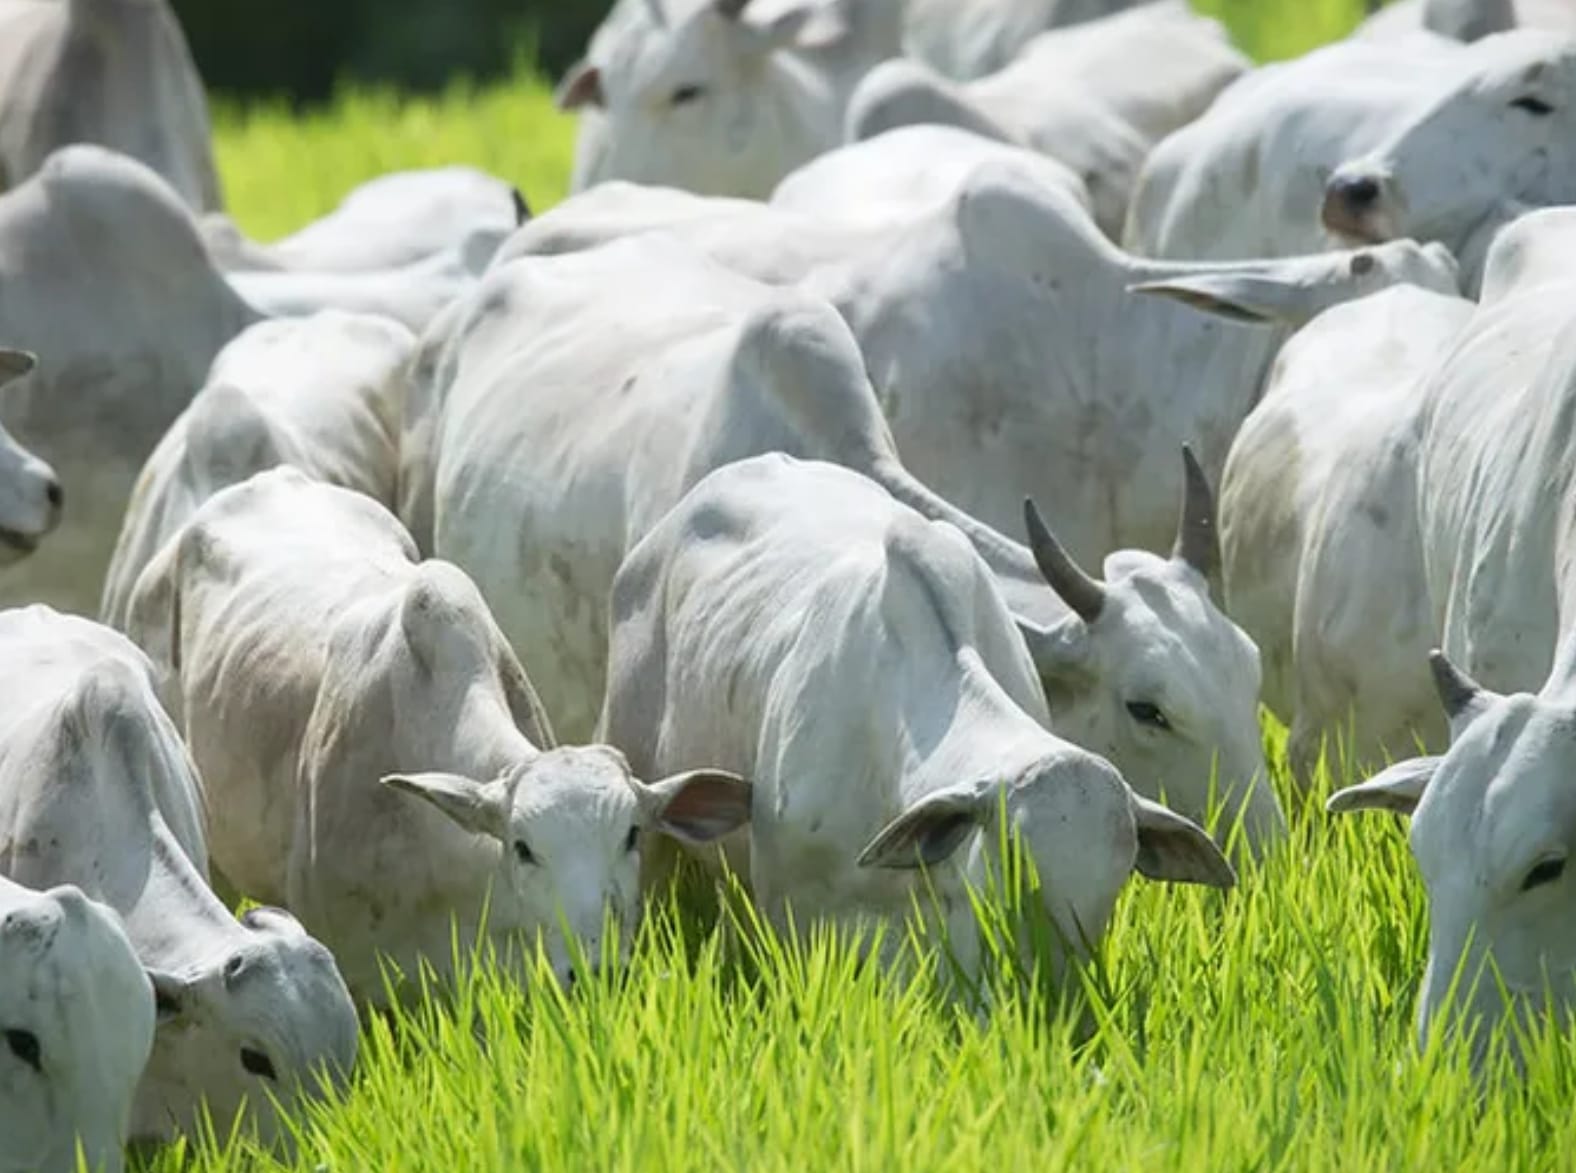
[386, 223]
[107, 281]
[723, 97]
[796, 622]
[110, 72]
[321, 393]
[1318, 521]
[1097, 96]
[1493, 827]
[312, 655]
[76, 1028]
[631, 371]
[97, 790]
[1472, 159]
[30, 493]
[1368, 140]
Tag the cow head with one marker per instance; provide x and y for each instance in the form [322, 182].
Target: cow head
[567, 828]
[1493, 827]
[1147, 670]
[1496, 144]
[715, 99]
[30, 493]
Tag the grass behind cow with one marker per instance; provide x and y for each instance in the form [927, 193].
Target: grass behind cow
[1268, 1028]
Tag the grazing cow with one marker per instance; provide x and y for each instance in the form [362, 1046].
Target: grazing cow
[1096, 97]
[633, 370]
[723, 97]
[97, 790]
[76, 1027]
[795, 621]
[107, 281]
[30, 493]
[1000, 329]
[387, 223]
[1368, 140]
[320, 394]
[310, 656]
[1318, 522]
[1492, 824]
[112, 72]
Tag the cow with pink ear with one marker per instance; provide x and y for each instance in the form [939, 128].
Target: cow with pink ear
[374, 755]
[1493, 827]
[723, 97]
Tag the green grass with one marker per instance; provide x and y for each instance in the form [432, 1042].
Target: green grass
[1268, 1028]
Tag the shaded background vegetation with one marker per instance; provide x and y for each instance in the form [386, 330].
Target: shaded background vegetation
[301, 49]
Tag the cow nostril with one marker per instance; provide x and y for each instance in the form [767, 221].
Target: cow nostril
[55, 494]
[1358, 193]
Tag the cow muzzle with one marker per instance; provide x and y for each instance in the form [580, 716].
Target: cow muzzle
[1358, 206]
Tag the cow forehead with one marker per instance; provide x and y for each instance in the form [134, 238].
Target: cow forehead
[1506, 787]
[592, 782]
[1168, 616]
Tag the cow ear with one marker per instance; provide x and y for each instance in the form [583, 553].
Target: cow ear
[479, 807]
[1398, 789]
[698, 806]
[929, 832]
[171, 995]
[582, 86]
[1234, 296]
[1177, 849]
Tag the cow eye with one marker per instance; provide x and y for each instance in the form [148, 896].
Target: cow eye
[684, 95]
[258, 1064]
[632, 840]
[522, 851]
[1533, 105]
[1545, 871]
[1147, 713]
[24, 1045]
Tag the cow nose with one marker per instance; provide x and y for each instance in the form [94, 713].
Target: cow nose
[55, 494]
[1357, 192]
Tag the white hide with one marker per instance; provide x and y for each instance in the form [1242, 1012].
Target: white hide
[389, 222]
[30, 493]
[97, 790]
[76, 1027]
[1096, 97]
[320, 393]
[116, 73]
[1318, 523]
[631, 371]
[108, 283]
[1493, 828]
[362, 664]
[794, 621]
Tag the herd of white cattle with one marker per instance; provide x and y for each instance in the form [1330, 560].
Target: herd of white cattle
[768, 472]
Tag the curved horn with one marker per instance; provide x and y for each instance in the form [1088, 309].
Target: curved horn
[1085, 595]
[1456, 689]
[1197, 542]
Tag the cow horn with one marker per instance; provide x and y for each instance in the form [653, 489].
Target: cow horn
[1085, 595]
[1456, 689]
[1197, 543]
[730, 9]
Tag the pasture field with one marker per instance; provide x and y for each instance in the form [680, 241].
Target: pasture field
[1267, 1028]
